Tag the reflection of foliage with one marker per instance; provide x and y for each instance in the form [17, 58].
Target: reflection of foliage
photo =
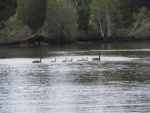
[24, 52]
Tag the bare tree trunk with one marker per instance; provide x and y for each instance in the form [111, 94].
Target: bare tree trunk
[100, 25]
[108, 24]
[134, 27]
[145, 24]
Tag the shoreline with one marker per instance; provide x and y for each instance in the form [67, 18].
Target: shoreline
[48, 42]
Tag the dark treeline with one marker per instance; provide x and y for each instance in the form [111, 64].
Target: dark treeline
[64, 21]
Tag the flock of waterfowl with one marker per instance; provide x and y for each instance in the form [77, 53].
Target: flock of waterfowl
[70, 60]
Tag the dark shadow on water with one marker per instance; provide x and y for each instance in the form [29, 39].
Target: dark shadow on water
[129, 72]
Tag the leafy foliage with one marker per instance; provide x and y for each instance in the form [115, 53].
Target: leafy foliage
[141, 23]
[7, 8]
[84, 10]
[61, 20]
[32, 13]
[15, 30]
[104, 13]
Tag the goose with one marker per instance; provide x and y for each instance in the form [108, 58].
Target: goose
[70, 60]
[85, 59]
[97, 59]
[54, 60]
[64, 60]
[37, 61]
[79, 60]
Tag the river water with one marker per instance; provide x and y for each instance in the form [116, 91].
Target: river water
[119, 83]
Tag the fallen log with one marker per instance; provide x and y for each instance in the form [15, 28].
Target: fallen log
[32, 40]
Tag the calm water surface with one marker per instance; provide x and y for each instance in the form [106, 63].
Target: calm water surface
[120, 83]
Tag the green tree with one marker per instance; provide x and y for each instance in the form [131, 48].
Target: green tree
[103, 13]
[32, 13]
[14, 30]
[61, 20]
[141, 21]
[7, 9]
[128, 7]
[84, 11]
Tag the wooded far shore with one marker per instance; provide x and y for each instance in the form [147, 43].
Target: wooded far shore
[36, 22]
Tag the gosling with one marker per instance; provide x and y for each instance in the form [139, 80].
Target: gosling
[37, 61]
[85, 59]
[70, 60]
[54, 60]
[79, 60]
[64, 60]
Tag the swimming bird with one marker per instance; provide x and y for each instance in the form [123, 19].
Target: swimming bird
[97, 59]
[85, 59]
[79, 60]
[64, 60]
[70, 60]
[54, 60]
[37, 61]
